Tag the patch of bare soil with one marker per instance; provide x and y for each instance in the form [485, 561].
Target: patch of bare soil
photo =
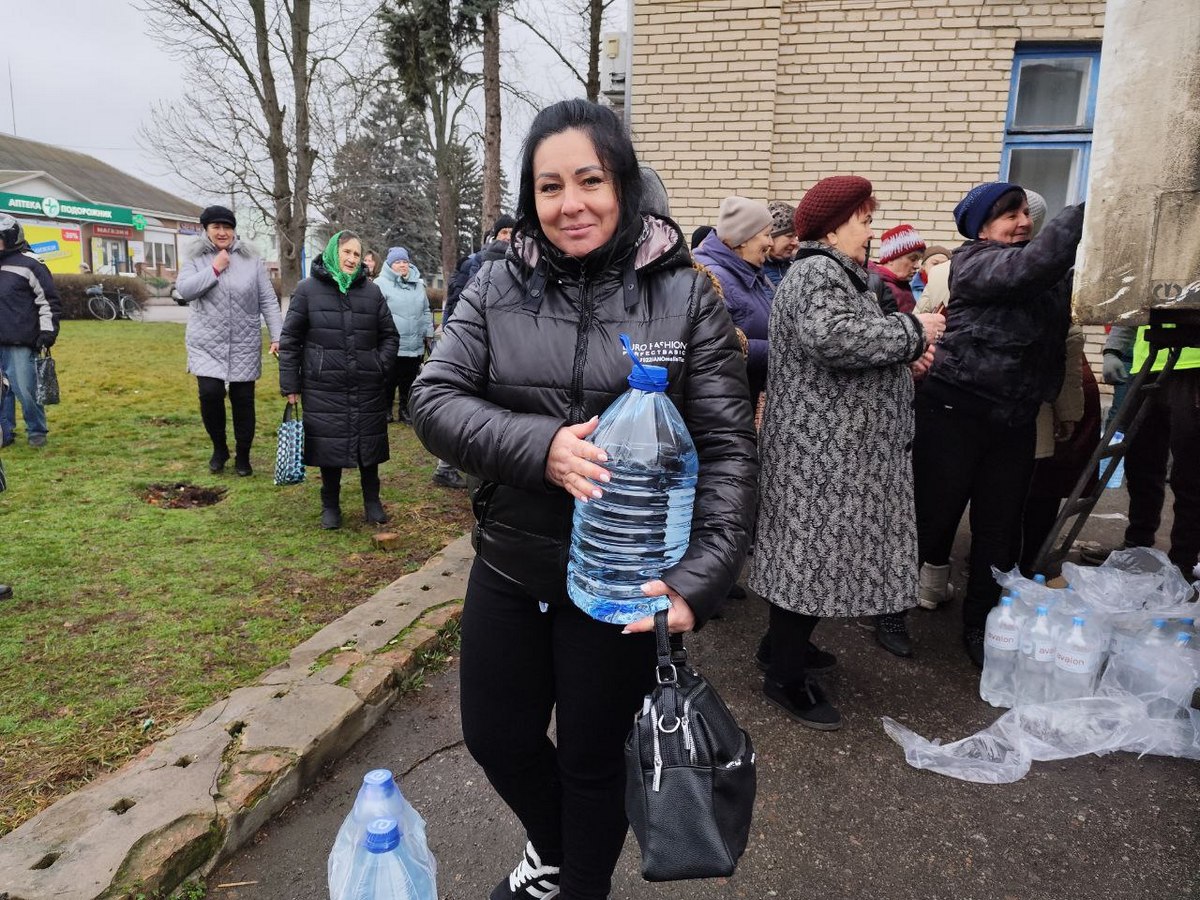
[182, 495]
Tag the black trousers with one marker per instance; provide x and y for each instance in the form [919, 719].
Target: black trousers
[212, 411]
[399, 380]
[519, 665]
[331, 484]
[1170, 429]
[788, 635]
[961, 457]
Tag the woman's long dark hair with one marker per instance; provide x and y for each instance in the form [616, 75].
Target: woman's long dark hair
[616, 154]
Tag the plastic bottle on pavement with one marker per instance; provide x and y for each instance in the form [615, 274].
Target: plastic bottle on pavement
[379, 797]
[1077, 658]
[383, 870]
[642, 523]
[1001, 643]
[1035, 665]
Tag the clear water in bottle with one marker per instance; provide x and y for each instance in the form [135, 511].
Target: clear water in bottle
[383, 870]
[1001, 643]
[642, 523]
[1035, 665]
[1077, 659]
[379, 797]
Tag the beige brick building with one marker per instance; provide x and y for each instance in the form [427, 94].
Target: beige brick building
[765, 97]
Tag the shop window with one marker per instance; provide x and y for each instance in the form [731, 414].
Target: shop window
[160, 255]
[1048, 129]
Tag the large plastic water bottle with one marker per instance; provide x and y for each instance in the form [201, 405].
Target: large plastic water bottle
[1035, 665]
[1150, 648]
[642, 523]
[1117, 478]
[1077, 661]
[383, 870]
[1001, 643]
[378, 798]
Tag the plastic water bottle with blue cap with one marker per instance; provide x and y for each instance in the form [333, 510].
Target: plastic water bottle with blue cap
[378, 798]
[383, 870]
[641, 524]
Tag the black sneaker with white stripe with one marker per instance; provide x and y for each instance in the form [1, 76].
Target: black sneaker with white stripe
[530, 880]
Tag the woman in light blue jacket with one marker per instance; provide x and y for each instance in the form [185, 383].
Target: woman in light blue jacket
[404, 291]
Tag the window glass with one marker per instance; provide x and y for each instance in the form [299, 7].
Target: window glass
[1052, 93]
[1051, 171]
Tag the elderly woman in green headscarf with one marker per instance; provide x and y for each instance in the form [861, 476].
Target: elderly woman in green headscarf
[337, 344]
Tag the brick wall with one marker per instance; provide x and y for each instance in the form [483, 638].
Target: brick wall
[765, 98]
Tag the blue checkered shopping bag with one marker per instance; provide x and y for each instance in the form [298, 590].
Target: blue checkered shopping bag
[289, 453]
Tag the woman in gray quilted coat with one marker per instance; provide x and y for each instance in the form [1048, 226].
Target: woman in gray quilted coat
[836, 529]
[230, 294]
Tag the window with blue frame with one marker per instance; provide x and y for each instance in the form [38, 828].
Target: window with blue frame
[1048, 129]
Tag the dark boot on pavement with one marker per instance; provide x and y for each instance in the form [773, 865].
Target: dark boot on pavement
[816, 660]
[973, 641]
[530, 880]
[891, 631]
[805, 702]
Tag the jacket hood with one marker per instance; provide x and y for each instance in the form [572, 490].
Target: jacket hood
[204, 246]
[660, 245]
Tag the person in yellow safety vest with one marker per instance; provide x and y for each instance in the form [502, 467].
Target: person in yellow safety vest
[1171, 428]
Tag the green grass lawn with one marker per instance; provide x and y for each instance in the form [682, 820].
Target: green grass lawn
[129, 616]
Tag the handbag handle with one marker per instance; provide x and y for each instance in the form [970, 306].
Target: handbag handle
[289, 411]
[665, 674]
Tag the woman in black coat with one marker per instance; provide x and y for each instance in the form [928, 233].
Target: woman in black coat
[510, 395]
[338, 341]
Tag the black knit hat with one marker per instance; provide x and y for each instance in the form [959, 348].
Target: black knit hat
[504, 221]
[219, 214]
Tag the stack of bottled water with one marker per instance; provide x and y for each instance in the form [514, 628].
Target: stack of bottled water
[1001, 644]
[380, 851]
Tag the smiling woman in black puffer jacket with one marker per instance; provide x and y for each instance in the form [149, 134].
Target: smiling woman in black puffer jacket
[338, 342]
[529, 359]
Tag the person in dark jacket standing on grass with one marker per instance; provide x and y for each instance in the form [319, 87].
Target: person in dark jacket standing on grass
[338, 343]
[501, 234]
[528, 361]
[29, 311]
[1001, 358]
[230, 295]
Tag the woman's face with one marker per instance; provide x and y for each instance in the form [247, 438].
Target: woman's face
[1010, 227]
[930, 261]
[369, 263]
[853, 237]
[400, 267]
[783, 246]
[575, 197]
[220, 234]
[350, 255]
[755, 250]
[904, 266]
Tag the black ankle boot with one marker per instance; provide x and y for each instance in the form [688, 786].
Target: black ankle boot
[374, 512]
[216, 463]
[331, 517]
[241, 463]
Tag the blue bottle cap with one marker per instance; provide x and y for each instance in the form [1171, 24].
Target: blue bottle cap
[380, 778]
[1006, 600]
[1039, 578]
[1183, 638]
[1043, 610]
[1160, 623]
[383, 836]
[1077, 620]
[1188, 622]
[652, 379]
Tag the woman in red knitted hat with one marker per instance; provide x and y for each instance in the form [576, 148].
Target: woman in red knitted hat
[836, 526]
[900, 250]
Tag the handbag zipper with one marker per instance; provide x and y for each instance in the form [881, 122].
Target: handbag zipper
[658, 763]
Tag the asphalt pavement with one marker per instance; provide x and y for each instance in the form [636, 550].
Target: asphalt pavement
[839, 815]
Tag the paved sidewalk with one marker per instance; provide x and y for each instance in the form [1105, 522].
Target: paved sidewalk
[839, 815]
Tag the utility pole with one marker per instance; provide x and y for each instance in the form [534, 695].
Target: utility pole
[12, 103]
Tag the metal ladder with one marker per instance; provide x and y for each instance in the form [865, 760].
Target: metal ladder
[1169, 331]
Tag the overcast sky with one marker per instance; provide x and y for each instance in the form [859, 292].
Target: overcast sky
[85, 73]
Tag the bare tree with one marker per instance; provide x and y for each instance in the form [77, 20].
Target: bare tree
[558, 27]
[246, 126]
[491, 113]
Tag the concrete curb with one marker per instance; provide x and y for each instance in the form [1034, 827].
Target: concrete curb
[189, 801]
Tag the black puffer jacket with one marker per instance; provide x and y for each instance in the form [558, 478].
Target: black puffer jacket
[533, 346]
[29, 303]
[334, 351]
[1006, 324]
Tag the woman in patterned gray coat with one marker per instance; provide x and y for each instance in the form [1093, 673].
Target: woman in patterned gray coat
[230, 293]
[836, 531]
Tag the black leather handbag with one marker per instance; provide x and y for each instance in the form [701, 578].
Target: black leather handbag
[690, 778]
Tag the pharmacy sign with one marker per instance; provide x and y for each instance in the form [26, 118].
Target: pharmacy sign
[81, 210]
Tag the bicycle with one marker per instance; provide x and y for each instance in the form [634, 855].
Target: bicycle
[107, 307]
